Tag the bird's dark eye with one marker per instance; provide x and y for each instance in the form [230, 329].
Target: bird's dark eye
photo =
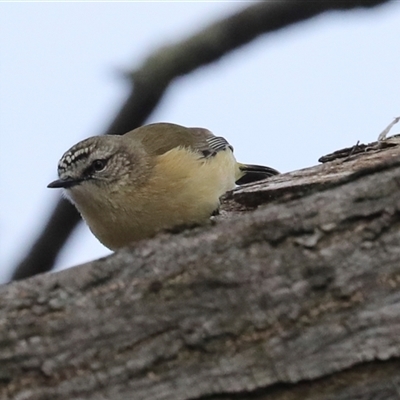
[98, 165]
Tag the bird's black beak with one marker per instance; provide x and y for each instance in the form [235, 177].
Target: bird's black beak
[64, 183]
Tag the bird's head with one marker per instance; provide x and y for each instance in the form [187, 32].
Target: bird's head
[100, 165]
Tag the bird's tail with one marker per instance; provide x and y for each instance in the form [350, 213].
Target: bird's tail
[253, 173]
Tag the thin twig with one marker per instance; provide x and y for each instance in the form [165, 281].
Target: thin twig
[382, 135]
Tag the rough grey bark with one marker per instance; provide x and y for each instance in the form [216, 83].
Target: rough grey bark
[297, 299]
[151, 80]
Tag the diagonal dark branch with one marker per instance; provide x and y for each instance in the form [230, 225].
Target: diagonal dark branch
[151, 80]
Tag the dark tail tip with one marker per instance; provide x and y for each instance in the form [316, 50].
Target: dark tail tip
[254, 173]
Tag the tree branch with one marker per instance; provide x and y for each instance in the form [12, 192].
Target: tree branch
[151, 80]
[296, 299]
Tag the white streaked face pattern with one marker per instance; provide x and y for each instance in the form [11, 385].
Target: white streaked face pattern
[72, 156]
[99, 160]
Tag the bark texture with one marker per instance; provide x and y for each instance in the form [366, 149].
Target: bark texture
[297, 299]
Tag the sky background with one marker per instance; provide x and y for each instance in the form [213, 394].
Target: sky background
[284, 100]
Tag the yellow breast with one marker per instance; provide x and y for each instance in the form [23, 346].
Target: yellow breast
[183, 189]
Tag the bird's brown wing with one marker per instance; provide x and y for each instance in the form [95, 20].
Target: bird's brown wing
[159, 138]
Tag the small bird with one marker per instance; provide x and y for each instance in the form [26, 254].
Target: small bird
[156, 177]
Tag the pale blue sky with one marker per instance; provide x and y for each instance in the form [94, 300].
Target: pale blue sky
[283, 101]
